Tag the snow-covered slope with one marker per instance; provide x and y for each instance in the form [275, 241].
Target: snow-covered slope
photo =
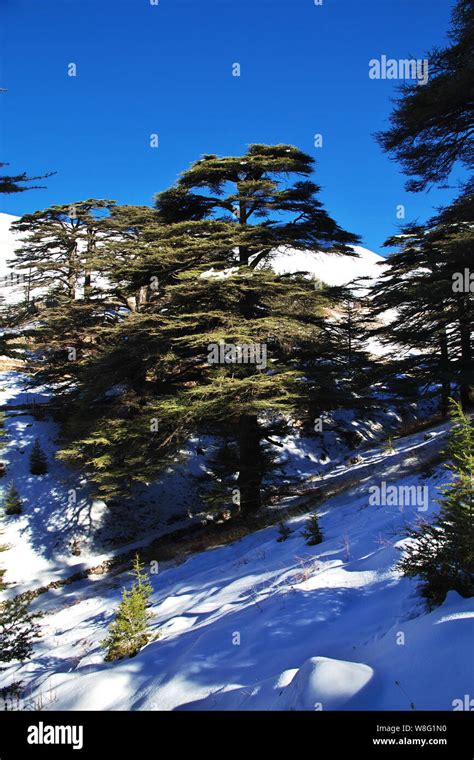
[265, 625]
[7, 237]
[10, 290]
[329, 268]
[257, 623]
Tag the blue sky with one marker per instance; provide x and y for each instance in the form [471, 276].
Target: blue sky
[167, 70]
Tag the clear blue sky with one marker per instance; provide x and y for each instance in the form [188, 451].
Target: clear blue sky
[167, 69]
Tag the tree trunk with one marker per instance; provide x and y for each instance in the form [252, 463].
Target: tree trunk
[72, 271]
[71, 284]
[250, 464]
[132, 303]
[90, 256]
[466, 352]
[142, 297]
[445, 383]
[87, 285]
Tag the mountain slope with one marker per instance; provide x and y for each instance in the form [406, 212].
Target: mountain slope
[11, 292]
[265, 625]
[257, 623]
[330, 268]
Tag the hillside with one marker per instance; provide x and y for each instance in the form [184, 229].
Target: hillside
[8, 243]
[330, 268]
[254, 624]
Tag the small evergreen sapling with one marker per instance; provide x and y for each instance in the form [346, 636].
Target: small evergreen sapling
[129, 633]
[442, 554]
[12, 503]
[312, 532]
[283, 531]
[38, 461]
[18, 630]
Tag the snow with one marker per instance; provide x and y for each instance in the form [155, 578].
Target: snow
[257, 623]
[317, 631]
[8, 242]
[58, 506]
[322, 680]
[330, 268]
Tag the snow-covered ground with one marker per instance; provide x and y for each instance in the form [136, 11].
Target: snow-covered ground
[255, 624]
[260, 624]
[59, 511]
[10, 279]
[58, 508]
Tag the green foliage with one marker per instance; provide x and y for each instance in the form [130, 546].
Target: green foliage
[16, 183]
[431, 126]
[432, 319]
[18, 630]
[442, 554]
[197, 271]
[61, 246]
[129, 633]
[312, 532]
[284, 531]
[38, 461]
[12, 503]
[2, 571]
[388, 445]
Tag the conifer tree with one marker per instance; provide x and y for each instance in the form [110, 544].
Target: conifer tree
[203, 261]
[72, 331]
[284, 531]
[312, 532]
[12, 504]
[442, 554]
[431, 126]
[60, 247]
[17, 183]
[38, 460]
[132, 234]
[18, 630]
[430, 319]
[455, 224]
[14, 184]
[344, 373]
[129, 631]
